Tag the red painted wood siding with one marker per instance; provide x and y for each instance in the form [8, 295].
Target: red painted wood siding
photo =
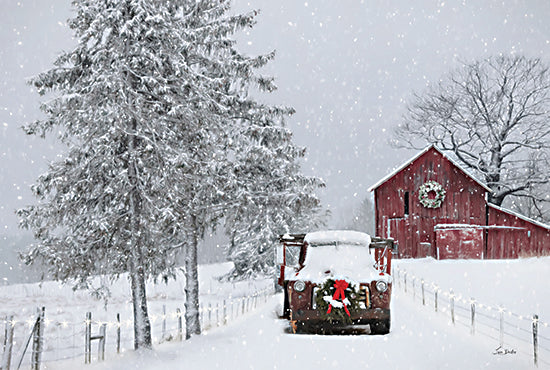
[464, 203]
[528, 240]
[464, 242]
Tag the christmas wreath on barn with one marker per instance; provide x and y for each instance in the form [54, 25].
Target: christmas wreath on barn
[426, 189]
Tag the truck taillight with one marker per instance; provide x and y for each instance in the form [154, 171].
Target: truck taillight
[364, 294]
[313, 297]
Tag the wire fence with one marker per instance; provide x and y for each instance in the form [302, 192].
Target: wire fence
[64, 340]
[512, 333]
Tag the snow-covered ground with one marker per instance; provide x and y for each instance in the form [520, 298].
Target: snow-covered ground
[65, 311]
[518, 285]
[64, 304]
[261, 341]
[420, 338]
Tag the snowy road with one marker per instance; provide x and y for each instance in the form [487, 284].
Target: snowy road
[419, 339]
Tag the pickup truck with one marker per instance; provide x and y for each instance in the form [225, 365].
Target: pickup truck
[336, 279]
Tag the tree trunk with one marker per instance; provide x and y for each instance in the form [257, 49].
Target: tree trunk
[192, 322]
[142, 325]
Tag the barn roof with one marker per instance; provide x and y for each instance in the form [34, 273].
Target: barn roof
[520, 216]
[420, 154]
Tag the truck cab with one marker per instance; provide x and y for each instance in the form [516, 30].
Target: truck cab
[336, 279]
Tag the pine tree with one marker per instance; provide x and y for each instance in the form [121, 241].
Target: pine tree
[147, 104]
[143, 104]
[273, 197]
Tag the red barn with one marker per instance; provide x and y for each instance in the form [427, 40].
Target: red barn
[432, 207]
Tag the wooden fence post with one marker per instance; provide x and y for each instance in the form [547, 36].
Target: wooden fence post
[5, 331]
[473, 315]
[209, 314]
[224, 312]
[101, 346]
[27, 344]
[423, 295]
[398, 278]
[8, 344]
[452, 296]
[180, 324]
[536, 339]
[118, 333]
[163, 321]
[87, 339]
[501, 310]
[38, 340]
[435, 298]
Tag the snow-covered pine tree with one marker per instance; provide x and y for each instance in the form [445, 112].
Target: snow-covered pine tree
[214, 189]
[144, 104]
[273, 197]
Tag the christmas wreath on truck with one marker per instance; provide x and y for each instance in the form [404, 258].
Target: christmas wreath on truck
[337, 300]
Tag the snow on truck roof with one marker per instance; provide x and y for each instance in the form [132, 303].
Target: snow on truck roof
[338, 254]
[331, 237]
[350, 262]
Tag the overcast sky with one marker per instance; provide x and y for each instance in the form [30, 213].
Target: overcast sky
[348, 67]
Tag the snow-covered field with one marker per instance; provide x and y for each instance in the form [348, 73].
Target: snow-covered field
[519, 285]
[65, 311]
[503, 295]
[420, 337]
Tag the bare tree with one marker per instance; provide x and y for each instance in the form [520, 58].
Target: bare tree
[493, 117]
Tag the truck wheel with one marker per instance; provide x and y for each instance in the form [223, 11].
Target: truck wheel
[380, 327]
[298, 327]
[294, 326]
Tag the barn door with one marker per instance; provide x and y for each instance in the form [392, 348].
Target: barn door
[462, 242]
[397, 229]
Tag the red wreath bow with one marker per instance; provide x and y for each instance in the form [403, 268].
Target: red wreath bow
[340, 286]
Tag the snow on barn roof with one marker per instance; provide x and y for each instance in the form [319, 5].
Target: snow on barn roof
[332, 237]
[418, 155]
[522, 217]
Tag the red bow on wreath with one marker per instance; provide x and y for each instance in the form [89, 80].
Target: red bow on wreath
[340, 286]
